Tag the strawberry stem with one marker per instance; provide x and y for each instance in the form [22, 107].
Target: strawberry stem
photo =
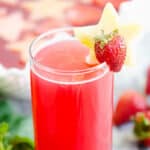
[141, 126]
[103, 38]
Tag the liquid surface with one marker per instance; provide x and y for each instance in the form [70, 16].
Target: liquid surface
[64, 55]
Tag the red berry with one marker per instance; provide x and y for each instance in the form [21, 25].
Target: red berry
[83, 14]
[128, 105]
[146, 142]
[147, 90]
[142, 127]
[99, 52]
[102, 3]
[113, 53]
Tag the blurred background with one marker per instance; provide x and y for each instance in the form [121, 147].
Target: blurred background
[23, 20]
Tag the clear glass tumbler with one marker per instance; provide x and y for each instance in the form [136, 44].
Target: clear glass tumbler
[72, 109]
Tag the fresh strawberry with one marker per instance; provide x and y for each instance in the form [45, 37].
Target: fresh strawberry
[111, 49]
[102, 3]
[142, 127]
[146, 142]
[147, 90]
[128, 105]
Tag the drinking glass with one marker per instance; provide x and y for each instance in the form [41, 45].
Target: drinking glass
[72, 109]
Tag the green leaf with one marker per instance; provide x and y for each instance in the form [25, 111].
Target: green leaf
[141, 126]
[20, 135]
[3, 133]
[13, 142]
[22, 143]
[7, 114]
[18, 124]
[3, 130]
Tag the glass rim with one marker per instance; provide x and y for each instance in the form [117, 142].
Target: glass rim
[55, 70]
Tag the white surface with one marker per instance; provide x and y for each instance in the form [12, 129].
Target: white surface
[123, 138]
[136, 11]
[134, 77]
[15, 83]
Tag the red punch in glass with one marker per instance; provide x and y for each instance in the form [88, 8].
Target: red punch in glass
[71, 100]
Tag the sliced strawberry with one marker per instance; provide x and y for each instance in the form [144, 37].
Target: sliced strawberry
[83, 14]
[102, 3]
[147, 90]
[111, 49]
[142, 127]
[128, 105]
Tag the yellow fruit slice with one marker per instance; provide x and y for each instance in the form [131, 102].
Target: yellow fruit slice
[109, 22]
[109, 19]
[86, 36]
[130, 60]
[129, 32]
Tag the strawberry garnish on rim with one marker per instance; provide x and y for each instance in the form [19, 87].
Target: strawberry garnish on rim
[111, 48]
[109, 21]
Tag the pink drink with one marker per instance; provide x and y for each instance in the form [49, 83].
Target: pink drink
[72, 101]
